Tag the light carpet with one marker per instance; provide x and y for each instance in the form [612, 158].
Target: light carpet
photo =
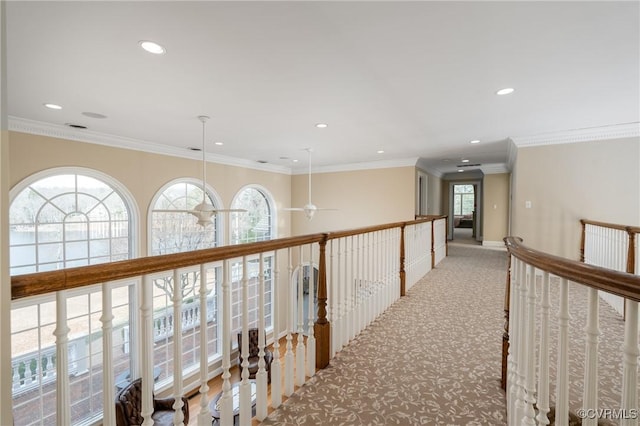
[433, 358]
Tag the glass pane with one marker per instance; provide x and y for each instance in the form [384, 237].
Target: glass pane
[25, 206]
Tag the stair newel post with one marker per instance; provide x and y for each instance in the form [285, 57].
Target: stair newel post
[322, 327]
[311, 339]
[631, 253]
[505, 332]
[583, 239]
[403, 273]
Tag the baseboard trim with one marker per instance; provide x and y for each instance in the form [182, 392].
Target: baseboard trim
[493, 244]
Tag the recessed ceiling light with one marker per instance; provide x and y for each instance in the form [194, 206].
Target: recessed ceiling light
[460, 170]
[152, 47]
[475, 141]
[93, 115]
[322, 125]
[295, 161]
[219, 143]
[380, 151]
[465, 161]
[505, 91]
[53, 106]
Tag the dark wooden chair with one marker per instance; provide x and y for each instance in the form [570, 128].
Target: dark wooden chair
[129, 407]
[253, 355]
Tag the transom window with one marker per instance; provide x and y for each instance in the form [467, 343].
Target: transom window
[65, 220]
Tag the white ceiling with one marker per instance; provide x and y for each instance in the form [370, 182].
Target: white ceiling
[415, 79]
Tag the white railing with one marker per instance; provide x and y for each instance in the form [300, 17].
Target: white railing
[539, 285]
[134, 318]
[610, 246]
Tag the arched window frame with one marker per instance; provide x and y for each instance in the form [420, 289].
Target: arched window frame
[118, 187]
[213, 197]
[270, 204]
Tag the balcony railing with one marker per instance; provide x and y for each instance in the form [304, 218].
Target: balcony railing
[540, 284]
[128, 315]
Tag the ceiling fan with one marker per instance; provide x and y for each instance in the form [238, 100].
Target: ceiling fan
[203, 211]
[309, 209]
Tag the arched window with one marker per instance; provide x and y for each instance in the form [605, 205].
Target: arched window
[68, 217]
[179, 232]
[176, 232]
[257, 223]
[61, 218]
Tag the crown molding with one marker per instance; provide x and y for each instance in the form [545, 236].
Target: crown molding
[614, 131]
[17, 124]
[383, 164]
[494, 168]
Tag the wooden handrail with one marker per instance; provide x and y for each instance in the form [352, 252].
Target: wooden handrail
[619, 283]
[604, 224]
[47, 282]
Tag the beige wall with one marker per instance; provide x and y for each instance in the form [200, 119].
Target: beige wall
[596, 180]
[363, 198]
[496, 208]
[143, 174]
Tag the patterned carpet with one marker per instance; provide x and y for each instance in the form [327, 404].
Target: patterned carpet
[433, 358]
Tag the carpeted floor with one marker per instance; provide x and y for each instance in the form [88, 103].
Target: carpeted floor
[433, 358]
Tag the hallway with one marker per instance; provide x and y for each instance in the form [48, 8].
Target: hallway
[433, 358]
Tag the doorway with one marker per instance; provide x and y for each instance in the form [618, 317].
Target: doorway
[465, 215]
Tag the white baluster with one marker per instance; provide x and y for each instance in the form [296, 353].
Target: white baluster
[300, 349]
[226, 400]
[592, 330]
[332, 287]
[311, 340]
[245, 386]
[512, 356]
[109, 414]
[178, 415]
[522, 345]
[543, 368]
[276, 367]
[146, 311]
[344, 322]
[630, 364]
[530, 397]
[261, 375]
[288, 356]
[339, 305]
[63, 400]
[204, 416]
[562, 383]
